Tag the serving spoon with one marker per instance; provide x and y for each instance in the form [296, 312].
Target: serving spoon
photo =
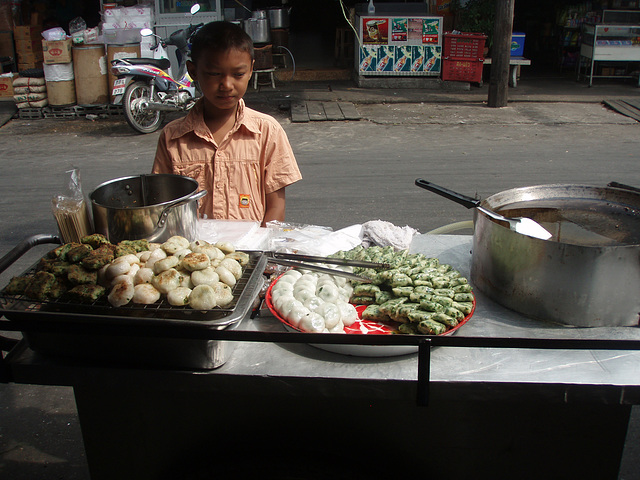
[522, 225]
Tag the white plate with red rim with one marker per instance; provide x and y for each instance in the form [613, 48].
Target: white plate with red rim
[362, 327]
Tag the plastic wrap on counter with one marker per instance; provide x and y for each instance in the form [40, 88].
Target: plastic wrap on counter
[311, 239]
[244, 234]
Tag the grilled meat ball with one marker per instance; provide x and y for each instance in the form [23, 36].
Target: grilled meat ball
[121, 293]
[195, 261]
[145, 294]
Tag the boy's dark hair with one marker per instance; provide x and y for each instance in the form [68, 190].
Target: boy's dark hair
[220, 37]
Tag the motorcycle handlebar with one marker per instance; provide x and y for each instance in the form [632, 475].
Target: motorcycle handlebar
[181, 37]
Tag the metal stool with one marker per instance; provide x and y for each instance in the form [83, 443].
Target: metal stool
[256, 74]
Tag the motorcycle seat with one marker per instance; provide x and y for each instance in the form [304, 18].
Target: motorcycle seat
[163, 63]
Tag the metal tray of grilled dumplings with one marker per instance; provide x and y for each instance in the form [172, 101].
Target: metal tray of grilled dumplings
[158, 335]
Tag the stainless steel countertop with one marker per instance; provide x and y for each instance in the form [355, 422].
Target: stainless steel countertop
[483, 373]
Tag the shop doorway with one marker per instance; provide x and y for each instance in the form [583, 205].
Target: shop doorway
[313, 32]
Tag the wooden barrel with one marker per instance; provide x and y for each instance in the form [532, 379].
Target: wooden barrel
[116, 52]
[90, 71]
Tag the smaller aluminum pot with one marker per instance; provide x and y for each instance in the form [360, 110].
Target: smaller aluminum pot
[152, 207]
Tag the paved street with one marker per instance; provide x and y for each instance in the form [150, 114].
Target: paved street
[353, 172]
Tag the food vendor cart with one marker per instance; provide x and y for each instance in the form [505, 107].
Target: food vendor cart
[506, 394]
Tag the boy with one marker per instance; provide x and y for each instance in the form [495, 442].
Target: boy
[240, 156]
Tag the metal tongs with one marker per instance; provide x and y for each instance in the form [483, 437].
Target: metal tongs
[297, 260]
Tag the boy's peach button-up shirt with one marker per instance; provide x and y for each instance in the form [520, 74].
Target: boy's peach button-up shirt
[254, 159]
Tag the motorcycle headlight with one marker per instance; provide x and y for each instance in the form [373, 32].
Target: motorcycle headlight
[120, 70]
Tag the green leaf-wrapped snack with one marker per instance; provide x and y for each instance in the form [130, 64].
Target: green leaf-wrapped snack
[430, 327]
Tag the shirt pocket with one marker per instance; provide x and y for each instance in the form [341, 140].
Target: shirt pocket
[193, 171]
[241, 184]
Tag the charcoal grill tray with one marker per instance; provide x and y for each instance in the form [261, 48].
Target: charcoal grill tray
[27, 313]
[159, 335]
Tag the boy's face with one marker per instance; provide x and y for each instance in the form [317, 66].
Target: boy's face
[223, 78]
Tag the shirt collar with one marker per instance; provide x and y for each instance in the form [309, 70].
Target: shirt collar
[194, 121]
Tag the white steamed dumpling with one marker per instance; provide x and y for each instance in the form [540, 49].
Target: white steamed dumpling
[331, 314]
[339, 328]
[313, 303]
[289, 305]
[296, 314]
[348, 313]
[328, 292]
[313, 323]
[303, 294]
[280, 301]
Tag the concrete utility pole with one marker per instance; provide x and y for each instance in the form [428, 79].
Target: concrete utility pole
[501, 53]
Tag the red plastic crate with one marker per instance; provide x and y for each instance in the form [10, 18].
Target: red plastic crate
[462, 69]
[464, 45]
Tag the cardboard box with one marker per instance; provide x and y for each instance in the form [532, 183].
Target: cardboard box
[57, 51]
[517, 44]
[30, 57]
[27, 33]
[28, 66]
[6, 44]
[26, 46]
[6, 85]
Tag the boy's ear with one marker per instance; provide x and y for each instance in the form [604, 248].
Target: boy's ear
[191, 68]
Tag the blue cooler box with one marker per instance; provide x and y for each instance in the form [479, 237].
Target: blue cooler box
[517, 44]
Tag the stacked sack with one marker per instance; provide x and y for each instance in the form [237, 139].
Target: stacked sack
[30, 92]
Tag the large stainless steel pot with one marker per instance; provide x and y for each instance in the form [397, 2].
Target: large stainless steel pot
[152, 207]
[279, 17]
[587, 274]
[257, 29]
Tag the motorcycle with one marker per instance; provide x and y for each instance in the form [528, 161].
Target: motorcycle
[147, 88]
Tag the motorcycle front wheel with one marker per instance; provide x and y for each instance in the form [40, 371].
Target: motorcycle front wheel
[141, 119]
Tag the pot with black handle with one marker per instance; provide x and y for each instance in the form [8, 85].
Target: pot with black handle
[587, 274]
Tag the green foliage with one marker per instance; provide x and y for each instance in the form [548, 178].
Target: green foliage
[475, 16]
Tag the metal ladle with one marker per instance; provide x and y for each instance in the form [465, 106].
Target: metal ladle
[522, 225]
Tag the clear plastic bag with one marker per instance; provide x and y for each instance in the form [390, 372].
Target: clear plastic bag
[55, 33]
[70, 209]
[77, 25]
